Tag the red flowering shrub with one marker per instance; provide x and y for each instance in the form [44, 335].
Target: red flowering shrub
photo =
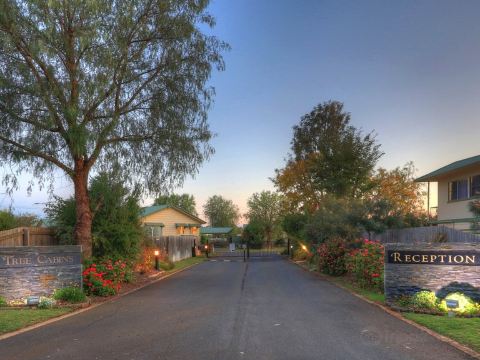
[331, 257]
[366, 264]
[105, 277]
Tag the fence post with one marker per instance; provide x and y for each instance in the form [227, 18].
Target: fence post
[26, 236]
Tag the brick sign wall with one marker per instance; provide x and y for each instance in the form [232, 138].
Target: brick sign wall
[442, 268]
[38, 270]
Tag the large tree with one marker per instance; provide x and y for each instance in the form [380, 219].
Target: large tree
[85, 85]
[329, 157]
[221, 212]
[265, 209]
[183, 201]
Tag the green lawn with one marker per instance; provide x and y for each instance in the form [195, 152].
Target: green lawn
[187, 262]
[14, 319]
[463, 330]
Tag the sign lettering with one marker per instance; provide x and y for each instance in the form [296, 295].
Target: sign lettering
[444, 257]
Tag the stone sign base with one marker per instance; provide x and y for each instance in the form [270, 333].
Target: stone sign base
[38, 270]
[441, 268]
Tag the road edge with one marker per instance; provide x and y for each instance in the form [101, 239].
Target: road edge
[91, 307]
[443, 338]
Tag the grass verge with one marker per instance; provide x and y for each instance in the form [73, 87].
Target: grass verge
[179, 265]
[15, 319]
[463, 330]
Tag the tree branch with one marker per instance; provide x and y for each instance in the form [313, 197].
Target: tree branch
[31, 152]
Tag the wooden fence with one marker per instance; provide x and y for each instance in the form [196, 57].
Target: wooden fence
[177, 247]
[424, 234]
[28, 236]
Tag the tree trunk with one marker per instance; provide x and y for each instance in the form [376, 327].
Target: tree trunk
[83, 225]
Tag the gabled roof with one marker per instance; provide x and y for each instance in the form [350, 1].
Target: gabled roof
[156, 208]
[457, 165]
[215, 230]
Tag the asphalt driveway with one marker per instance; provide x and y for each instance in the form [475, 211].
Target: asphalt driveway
[263, 309]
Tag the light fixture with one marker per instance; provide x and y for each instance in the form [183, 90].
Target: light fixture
[157, 260]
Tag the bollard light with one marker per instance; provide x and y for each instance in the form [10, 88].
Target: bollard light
[157, 260]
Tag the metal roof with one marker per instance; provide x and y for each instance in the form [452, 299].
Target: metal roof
[154, 208]
[215, 230]
[435, 175]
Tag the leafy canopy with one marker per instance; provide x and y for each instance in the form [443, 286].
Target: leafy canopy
[183, 201]
[221, 212]
[87, 84]
[265, 209]
[329, 157]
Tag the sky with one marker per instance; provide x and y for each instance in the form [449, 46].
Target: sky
[408, 70]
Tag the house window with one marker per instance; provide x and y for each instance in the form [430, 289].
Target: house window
[153, 231]
[458, 190]
[180, 230]
[475, 186]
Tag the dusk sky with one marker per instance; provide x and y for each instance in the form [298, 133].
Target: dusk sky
[409, 70]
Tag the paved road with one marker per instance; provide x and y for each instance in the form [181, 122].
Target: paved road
[265, 309]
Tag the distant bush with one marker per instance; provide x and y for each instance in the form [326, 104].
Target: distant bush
[70, 294]
[3, 302]
[331, 257]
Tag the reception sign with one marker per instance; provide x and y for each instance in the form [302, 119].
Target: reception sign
[442, 268]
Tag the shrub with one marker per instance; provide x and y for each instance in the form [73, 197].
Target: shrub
[299, 254]
[331, 257]
[425, 300]
[106, 277]
[70, 294]
[116, 230]
[466, 306]
[3, 302]
[366, 264]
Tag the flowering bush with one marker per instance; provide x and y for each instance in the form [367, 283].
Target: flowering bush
[331, 257]
[105, 277]
[366, 264]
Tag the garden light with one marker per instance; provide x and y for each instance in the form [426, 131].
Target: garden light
[304, 248]
[157, 260]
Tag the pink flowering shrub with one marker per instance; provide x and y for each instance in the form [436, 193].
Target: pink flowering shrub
[331, 257]
[104, 278]
[366, 264]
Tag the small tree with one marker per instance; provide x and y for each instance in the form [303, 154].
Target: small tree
[116, 228]
[265, 209]
[184, 201]
[7, 220]
[221, 212]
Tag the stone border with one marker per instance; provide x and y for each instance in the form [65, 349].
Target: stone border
[451, 342]
[90, 307]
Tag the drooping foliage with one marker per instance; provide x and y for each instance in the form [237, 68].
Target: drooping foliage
[92, 84]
